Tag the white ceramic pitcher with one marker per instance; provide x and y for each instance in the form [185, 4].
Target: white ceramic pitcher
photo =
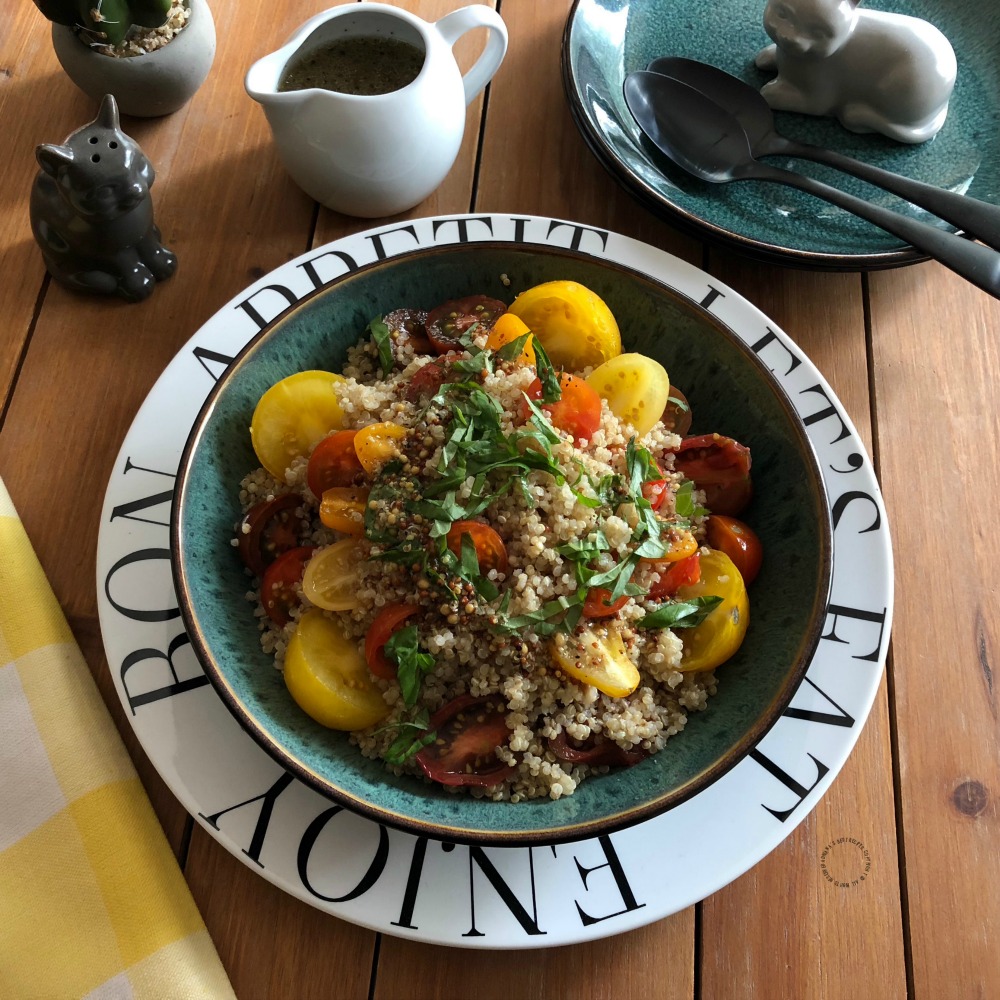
[381, 154]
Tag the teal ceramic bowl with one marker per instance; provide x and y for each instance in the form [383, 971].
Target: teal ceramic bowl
[731, 392]
[605, 40]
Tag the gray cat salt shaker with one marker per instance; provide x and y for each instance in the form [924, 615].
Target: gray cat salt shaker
[92, 214]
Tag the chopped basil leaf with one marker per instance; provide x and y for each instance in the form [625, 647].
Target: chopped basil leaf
[680, 614]
[541, 421]
[684, 502]
[412, 736]
[383, 341]
[547, 375]
[513, 350]
[403, 649]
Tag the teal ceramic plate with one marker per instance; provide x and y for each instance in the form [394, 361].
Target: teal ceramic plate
[605, 40]
[731, 391]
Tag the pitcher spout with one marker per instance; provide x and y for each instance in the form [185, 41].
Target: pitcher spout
[263, 77]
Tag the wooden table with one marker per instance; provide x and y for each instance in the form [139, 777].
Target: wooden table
[913, 355]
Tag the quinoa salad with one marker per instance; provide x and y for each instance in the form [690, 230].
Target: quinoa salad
[489, 549]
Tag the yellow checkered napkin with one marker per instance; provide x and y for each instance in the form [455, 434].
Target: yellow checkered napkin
[92, 902]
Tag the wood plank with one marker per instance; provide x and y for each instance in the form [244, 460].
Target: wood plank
[229, 214]
[936, 355]
[616, 968]
[535, 161]
[272, 944]
[37, 104]
[748, 950]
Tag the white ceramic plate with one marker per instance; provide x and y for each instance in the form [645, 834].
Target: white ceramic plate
[470, 896]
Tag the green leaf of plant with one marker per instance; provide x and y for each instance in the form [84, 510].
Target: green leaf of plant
[681, 614]
[382, 338]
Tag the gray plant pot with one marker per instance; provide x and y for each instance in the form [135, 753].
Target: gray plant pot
[156, 83]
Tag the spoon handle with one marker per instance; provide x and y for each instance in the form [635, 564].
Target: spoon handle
[979, 219]
[975, 263]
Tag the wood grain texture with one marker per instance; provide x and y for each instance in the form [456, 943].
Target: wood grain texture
[747, 951]
[34, 108]
[922, 391]
[936, 357]
[651, 962]
[272, 944]
[534, 159]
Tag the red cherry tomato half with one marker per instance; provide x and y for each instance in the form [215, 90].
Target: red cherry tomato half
[408, 328]
[469, 730]
[597, 603]
[448, 322]
[578, 412]
[427, 380]
[674, 575]
[677, 414]
[334, 462]
[386, 622]
[267, 529]
[739, 541]
[594, 751]
[721, 467]
[277, 589]
[490, 549]
[655, 491]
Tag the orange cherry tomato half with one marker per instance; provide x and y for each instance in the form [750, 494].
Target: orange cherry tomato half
[267, 529]
[677, 414]
[739, 541]
[277, 589]
[721, 467]
[334, 462]
[449, 321]
[674, 575]
[578, 412]
[490, 549]
[386, 622]
[468, 732]
[342, 508]
[599, 604]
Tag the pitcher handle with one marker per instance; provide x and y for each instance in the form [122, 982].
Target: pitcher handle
[452, 26]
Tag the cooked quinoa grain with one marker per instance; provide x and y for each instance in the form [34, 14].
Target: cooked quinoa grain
[499, 619]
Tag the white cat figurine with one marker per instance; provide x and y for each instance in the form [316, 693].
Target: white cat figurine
[875, 72]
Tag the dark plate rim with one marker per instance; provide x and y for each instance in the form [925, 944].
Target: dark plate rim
[486, 837]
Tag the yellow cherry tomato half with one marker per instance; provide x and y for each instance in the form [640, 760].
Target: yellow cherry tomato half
[636, 387]
[330, 580]
[506, 330]
[328, 678]
[721, 634]
[377, 444]
[597, 656]
[292, 417]
[342, 508]
[572, 323]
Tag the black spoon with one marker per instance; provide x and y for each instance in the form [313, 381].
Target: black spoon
[979, 219]
[707, 141]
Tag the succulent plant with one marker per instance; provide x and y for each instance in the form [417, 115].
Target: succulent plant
[110, 18]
